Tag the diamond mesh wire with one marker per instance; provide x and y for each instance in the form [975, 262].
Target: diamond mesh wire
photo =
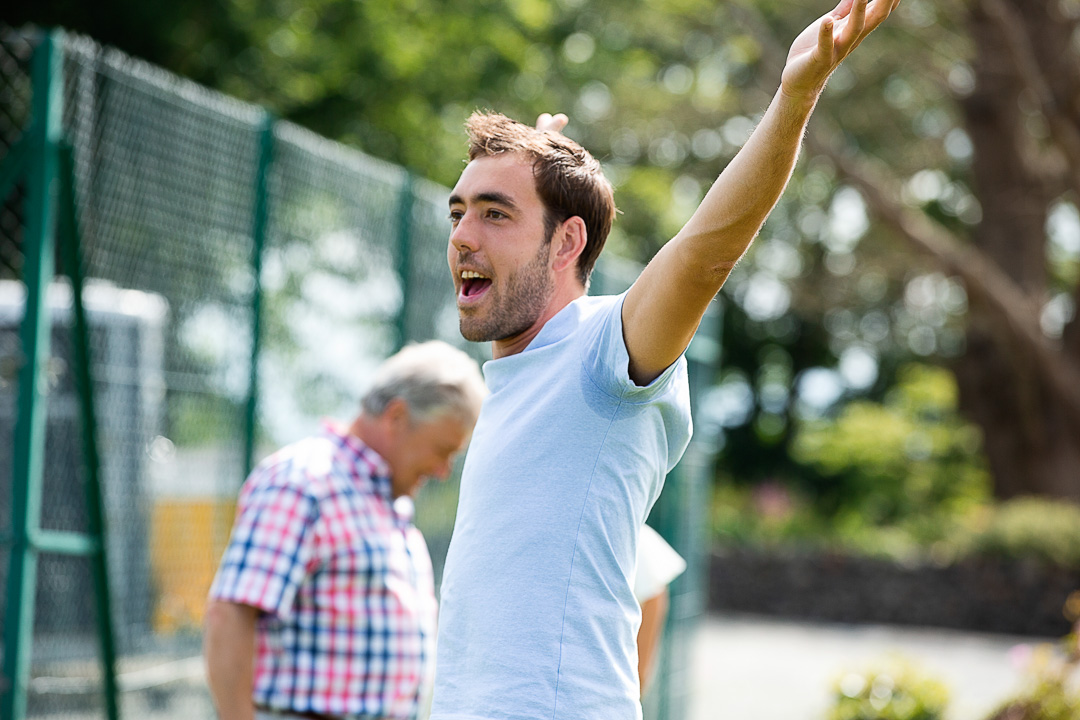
[15, 95]
[330, 287]
[430, 285]
[15, 53]
[165, 178]
[165, 181]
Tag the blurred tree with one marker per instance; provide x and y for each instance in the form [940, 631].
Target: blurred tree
[1018, 95]
[979, 128]
[933, 216]
[909, 458]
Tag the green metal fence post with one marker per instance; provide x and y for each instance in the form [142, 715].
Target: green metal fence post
[260, 226]
[404, 244]
[28, 456]
[70, 249]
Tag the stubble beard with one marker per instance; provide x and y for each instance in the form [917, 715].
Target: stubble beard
[515, 311]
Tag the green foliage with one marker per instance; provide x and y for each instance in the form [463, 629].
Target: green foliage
[768, 515]
[895, 690]
[903, 479]
[772, 516]
[1030, 527]
[909, 457]
[1051, 691]
[203, 419]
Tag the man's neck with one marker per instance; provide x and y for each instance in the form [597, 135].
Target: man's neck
[517, 343]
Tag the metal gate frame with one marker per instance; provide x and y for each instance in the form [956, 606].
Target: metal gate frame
[44, 160]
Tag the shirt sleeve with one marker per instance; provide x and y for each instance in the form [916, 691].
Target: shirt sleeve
[608, 362]
[271, 549]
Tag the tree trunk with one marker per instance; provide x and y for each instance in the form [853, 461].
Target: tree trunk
[1031, 441]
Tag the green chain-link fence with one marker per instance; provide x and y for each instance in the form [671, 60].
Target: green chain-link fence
[242, 277]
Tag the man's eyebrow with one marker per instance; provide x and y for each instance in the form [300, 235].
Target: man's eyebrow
[492, 196]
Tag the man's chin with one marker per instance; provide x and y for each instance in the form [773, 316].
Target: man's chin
[476, 329]
[474, 332]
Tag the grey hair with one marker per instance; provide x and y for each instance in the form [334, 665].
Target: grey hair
[432, 378]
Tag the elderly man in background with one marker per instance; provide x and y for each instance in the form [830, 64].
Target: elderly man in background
[324, 606]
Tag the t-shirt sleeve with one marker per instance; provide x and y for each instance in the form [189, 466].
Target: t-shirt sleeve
[271, 549]
[608, 362]
[657, 565]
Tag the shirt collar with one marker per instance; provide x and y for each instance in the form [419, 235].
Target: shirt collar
[365, 464]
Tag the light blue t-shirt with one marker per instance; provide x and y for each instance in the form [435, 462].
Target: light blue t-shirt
[538, 618]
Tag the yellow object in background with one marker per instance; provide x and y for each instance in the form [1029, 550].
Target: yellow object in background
[193, 503]
[187, 538]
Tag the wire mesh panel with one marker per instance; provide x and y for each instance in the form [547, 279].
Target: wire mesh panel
[330, 286]
[431, 311]
[168, 186]
[165, 174]
[15, 53]
[164, 191]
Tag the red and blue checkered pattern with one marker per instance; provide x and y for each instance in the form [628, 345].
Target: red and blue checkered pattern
[342, 576]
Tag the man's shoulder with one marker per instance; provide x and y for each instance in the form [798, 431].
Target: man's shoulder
[307, 466]
[590, 311]
[593, 304]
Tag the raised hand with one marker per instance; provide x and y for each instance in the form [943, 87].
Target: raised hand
[818, 50]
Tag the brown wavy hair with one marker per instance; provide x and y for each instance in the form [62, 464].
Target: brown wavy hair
[569, 181]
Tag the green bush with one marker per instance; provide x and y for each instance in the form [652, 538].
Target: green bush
[1052, 692]
[1039, 528]
[909, 483]
[894, 690]
[768, 517]
[911, 456]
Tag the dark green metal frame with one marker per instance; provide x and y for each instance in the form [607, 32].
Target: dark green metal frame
[259, 230]
[44, 160]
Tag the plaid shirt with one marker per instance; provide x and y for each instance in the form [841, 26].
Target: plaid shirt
[343, 579]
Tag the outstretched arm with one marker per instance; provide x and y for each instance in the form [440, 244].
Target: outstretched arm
[665, 305]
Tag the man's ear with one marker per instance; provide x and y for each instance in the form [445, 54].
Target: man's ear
[568, 243]
[396, 414]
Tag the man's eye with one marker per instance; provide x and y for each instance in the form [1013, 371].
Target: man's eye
[497, 214]
[455, 216]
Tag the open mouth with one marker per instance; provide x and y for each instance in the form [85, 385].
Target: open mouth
[473, 284]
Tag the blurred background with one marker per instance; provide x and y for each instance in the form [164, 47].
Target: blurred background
[887, 425]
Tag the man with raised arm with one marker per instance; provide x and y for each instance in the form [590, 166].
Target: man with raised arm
[589, 403]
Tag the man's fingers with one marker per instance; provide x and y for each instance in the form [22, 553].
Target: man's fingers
[825, 36]
[858, 15]
[876, 13]
[554, 123]
[853, 28]
[842, 9]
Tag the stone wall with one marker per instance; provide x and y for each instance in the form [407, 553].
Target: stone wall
[1022, 597]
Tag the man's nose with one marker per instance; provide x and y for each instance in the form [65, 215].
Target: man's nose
[462, 236]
